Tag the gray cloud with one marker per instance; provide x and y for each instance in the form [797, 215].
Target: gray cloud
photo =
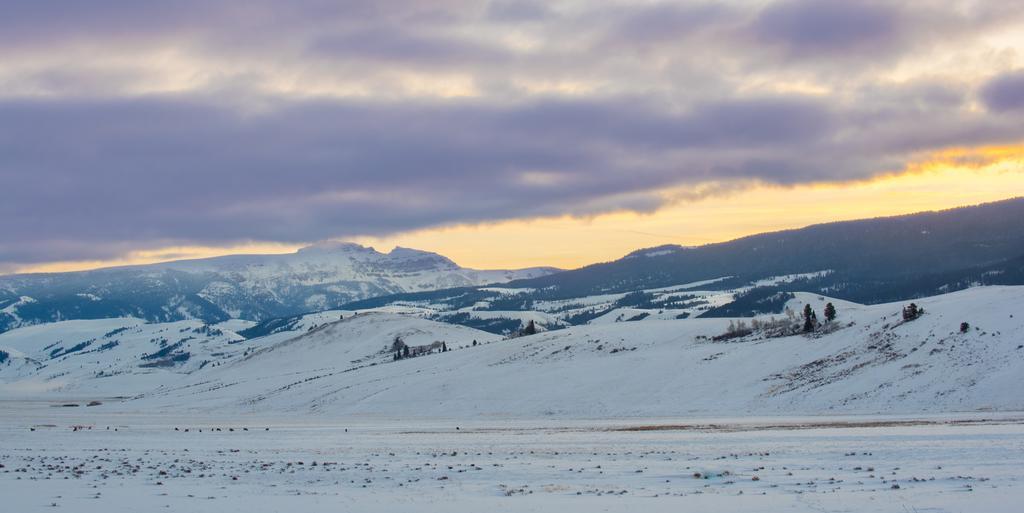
[665, 22]
[514, 11]
[388, 44]
[848, 37]
[829, 27]
[96, 172]
[1005, 92]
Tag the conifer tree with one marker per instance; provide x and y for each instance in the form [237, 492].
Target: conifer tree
[808, 319]
[830, 312]
[530, 329]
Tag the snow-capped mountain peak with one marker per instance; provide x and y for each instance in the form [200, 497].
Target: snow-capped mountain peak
[318, 277]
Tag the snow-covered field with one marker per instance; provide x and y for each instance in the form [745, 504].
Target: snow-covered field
[870, 413]
[146, 462]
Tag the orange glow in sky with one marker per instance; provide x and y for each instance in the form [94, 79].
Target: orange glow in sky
[955, 177]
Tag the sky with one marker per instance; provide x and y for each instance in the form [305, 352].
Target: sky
[500, 134]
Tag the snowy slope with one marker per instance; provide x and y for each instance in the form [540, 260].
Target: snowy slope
[126, 356]
[868, 361]
[506, 310]
[872, 362]
[308, 364]
[114, 357]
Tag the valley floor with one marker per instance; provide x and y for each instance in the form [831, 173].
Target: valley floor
[135, 461]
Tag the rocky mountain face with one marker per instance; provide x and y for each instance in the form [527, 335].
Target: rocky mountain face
[251, 287]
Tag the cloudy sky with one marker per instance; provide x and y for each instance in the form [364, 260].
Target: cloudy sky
[501, 133]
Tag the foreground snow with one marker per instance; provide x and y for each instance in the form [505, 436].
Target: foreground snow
[607, 417]
[141, 462]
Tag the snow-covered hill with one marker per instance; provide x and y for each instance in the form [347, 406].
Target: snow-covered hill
[868, 360]
[253, 287]
[507, 309]
[112, 357]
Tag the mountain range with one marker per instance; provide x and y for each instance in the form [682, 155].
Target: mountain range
[870, 260]
[253, 287]
[867, 261]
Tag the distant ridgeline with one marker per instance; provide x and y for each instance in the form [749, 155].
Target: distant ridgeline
[866, 261]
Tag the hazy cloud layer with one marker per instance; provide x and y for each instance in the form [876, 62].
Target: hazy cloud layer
[126, 125]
